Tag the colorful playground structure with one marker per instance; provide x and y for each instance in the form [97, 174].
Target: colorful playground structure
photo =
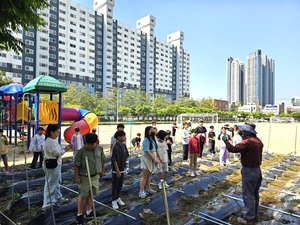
[25, 108]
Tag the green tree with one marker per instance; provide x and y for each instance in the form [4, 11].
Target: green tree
[123, 111]
[15, 14]
[143, 110]
[207, 103]
[296, 115]
[4, 80]
[160, 102]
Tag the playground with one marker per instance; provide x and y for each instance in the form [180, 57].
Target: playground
[23, 111]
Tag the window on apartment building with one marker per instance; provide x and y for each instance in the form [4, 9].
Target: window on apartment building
[29, 68]
[28, 51]
[62, 42]
[52, 24]
[53, 64]
[53, 40]
[52, 48]
[73, 38]
[73, 23]
[62, 27]
[82, 33]
[72, 31]
[52, 72]
[43, 56]
[52, 56]
[28, 59]
[82, 55]
[62, 35]
[82, 26]
[72, 68]
[72, 45]
[72, 15]
[82, 48]
[82, 12]
[28, 42]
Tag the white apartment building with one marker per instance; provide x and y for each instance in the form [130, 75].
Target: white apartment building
[235, 80]
[89, 47]
[253, 83]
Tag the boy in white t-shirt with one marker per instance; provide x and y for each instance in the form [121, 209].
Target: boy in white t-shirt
[162, 148]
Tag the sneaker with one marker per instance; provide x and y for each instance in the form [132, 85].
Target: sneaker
[201, 159]
[142, 194]
[192, 174]
[79, 220]
[120, 202]
[114, 204]
[151, 191]
[196, 173]
[228, 162]
[159, 186]
[166, 184]
[62, 199]
[89, 216]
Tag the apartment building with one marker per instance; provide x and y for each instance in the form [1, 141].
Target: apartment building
[253, 83]
[89, 47]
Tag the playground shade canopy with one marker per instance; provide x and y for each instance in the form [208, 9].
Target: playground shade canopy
[12, 89]
[45, 84]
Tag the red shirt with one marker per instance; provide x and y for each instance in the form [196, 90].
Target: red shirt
[194, 145]
[250, 149]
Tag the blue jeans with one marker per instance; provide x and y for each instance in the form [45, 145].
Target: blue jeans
[251, 181]
[54, 177]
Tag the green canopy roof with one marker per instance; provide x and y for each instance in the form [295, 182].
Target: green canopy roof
[45, 84]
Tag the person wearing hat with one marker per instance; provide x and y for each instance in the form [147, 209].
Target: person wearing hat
[251, 156]
[77, 141]
[37, 144]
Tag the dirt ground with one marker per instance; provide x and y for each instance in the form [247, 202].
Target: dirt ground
[278, 138]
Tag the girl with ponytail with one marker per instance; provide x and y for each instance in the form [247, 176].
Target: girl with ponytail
[53, 150]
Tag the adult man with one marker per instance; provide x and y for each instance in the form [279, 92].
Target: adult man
[201, 130]
[251, 157]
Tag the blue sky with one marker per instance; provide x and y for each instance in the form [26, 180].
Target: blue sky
[217, 29]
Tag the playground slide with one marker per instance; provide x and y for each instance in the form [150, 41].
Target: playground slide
[85, 121]
[48, 113]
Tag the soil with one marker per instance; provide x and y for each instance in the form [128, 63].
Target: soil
[185, 204]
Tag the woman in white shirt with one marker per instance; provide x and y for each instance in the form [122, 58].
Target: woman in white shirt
[53, 150]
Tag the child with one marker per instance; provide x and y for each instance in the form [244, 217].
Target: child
[36, 145]
[169, 143]
[136, 142]
[77, 141]
[185, 134]
[222, 148]
[96, 159]
[3, 150]
[211, 141]
[174, 127]
[118, 162]
[194, 151]
[162, 148]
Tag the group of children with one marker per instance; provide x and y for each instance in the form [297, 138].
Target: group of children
[193, 142]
